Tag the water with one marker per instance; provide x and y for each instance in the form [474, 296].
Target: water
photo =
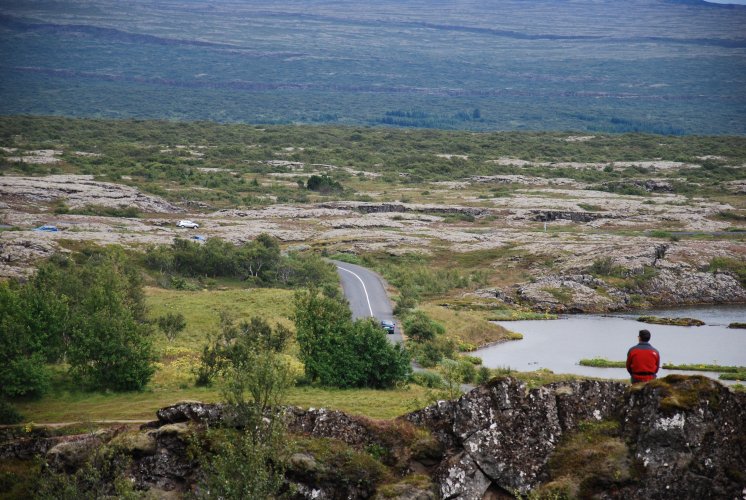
[559, 345]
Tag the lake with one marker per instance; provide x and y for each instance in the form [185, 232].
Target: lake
[560, 344]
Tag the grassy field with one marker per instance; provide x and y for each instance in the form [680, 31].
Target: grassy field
[174, 380]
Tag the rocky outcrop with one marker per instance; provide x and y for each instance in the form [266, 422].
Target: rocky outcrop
[680, 437]
[681, 285]
[552, 215]
[503, 433]
[369, 208]
[689, 436]
[80, 190]
[572, 294]
[669, 284]
[685, 433]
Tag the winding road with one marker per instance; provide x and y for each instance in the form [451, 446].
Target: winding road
[366, 294]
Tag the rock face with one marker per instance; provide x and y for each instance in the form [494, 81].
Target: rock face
[502, 434]
[679, 287]
[689, 435]
[686, 433]
[685, 437]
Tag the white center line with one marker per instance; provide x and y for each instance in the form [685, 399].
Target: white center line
[370, 308]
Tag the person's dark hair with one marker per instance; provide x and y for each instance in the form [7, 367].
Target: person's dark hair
[644, 335]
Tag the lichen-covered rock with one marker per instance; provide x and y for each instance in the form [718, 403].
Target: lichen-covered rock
[460, 477]
[682, 285]
[689, 435]
[507, 432]
[573, 294]
[195, 411]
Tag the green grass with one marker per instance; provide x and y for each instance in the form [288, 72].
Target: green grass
[88, 406]
[701, 367]
[202, 310]
[733, 376]
[470, 329]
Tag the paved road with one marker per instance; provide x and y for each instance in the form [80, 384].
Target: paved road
[366, 294]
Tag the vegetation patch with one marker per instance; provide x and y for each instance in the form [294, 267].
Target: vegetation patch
[737, 325]
[593, 460]
[337, 463]
[681, 392]
[733, 376]
[735, 266]
[702, 367]
[656, 320]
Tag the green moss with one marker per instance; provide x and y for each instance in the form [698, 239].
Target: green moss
[592, 460]
[655, 320]
[406, 486]
[737, 325]
[733, 376]
[682, 392]
[341, 464]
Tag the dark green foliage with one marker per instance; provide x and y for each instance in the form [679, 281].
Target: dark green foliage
[323, 184]
[340, 352]
[8, 415]
[236, 345]
[420, 328]
[255, 378]
[431, 380]
[89, 310]
[429, 354]
[171, 324]
[103, 475]
[258, 262]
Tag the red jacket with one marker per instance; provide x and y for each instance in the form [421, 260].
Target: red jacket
[643, 362]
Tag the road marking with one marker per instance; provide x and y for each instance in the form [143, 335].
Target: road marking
[370, 308]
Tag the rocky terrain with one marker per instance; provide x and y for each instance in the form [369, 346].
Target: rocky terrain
[678, 437]
[555, 228]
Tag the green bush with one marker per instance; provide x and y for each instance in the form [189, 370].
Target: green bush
[8, 414]
[323, 184]
[420, 328]
[427, 379]
[340, 352]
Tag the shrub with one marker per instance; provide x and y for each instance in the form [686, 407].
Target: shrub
[340, 352]
[420, 328]
[427, 379]
[8, 414]
[171, 324]
[323, 184]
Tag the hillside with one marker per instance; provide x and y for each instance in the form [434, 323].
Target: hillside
[633, 65]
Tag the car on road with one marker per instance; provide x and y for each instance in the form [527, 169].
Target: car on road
[389, 326]
[187, 224]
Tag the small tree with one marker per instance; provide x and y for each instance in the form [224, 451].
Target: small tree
[420, 328]
[255, 378]
[171, 324]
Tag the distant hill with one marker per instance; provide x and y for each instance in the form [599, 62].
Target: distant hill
[662, 66]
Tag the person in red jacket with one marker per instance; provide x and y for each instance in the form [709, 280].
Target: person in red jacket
[643, 360]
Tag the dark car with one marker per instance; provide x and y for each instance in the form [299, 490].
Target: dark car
[389, 326]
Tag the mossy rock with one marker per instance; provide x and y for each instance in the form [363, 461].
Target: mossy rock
[655, 320]
[737, 325]
[685, 393]
[138, 444]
